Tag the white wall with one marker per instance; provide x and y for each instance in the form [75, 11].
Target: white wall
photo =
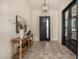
[8, 10]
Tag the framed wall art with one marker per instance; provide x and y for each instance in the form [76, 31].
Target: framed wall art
[20, 24]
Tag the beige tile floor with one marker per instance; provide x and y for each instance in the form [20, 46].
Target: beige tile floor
[49, 50]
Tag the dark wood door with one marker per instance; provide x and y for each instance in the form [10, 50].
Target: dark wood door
[70, 27]
[44, 28]
[74, 28]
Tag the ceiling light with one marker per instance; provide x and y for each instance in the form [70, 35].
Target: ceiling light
[45, 7]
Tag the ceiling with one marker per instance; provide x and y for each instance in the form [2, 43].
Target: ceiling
[53, 4]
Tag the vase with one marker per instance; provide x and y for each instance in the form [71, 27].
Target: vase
[21, 33]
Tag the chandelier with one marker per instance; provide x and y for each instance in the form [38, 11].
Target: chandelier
[45, 7]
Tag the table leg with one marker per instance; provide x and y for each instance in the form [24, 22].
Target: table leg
[20, 49]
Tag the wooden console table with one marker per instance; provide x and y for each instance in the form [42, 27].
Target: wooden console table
[24, 45]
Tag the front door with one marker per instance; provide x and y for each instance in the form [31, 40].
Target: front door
[44, 28]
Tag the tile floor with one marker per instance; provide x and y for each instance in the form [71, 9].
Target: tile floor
[49, 50]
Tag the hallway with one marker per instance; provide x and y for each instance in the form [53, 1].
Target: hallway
[49, 50]
[20, 26]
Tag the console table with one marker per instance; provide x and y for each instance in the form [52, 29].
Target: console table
[23, 46]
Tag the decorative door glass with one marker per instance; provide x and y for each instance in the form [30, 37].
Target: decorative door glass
[74, 10]
[74, 22]
[66, 23]
[73, 28]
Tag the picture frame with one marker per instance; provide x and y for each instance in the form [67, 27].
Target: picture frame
[20, 24]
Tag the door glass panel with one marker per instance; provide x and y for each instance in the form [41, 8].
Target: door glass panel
[74, 10]
[73, 28]
[66, 28]
[47, 26]
[66, 15]
[66, 23]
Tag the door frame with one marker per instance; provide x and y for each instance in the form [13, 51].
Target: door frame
[63, 20]
[40, 28]
[63, 23]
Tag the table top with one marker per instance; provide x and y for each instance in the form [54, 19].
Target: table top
[17, 39]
